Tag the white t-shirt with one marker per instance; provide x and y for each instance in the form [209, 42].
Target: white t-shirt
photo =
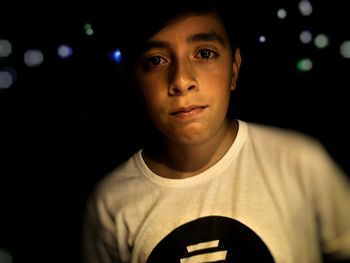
[275, 196]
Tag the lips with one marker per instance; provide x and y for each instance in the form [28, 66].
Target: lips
[192, 110]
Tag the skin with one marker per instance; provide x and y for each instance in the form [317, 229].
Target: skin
[186, 76]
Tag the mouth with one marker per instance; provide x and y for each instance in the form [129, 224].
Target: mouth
[184, 112]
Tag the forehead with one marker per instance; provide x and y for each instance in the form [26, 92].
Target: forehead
[192, 24]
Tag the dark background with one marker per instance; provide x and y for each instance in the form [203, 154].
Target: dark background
[65, 123]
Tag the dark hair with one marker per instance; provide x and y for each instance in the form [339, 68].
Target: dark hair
[128, 24]
[150, 17]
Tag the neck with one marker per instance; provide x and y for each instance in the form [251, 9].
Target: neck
[177, 160]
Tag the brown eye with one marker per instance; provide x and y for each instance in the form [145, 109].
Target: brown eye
[154, 61]
[205, 53]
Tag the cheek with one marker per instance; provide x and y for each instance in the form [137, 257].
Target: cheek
[148, 90]
[220, 93]
[154, 90]
[219, 84]
[154, 101]
[150, 101]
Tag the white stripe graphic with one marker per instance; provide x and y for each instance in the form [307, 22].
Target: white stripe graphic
[203, 245]
[208, 257]
[205, 257]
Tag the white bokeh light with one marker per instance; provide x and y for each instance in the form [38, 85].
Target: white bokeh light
[305, 7]
[305, 37]
[321, 41]
[5, 48]
[345, 49]
[6, 80]
[33, 57]
[64, 51]
[281, 13]
[262, 39]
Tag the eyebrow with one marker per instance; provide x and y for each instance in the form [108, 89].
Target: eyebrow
[206, 37]
[210, 36]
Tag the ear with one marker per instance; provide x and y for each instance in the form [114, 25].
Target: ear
[235, 67]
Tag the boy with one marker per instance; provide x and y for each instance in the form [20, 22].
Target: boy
[208, 188]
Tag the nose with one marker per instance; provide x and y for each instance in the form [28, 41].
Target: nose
[182, 78]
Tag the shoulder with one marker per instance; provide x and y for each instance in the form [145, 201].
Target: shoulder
[119, 180]
[293, 150]
[286, 137]
[279, 142]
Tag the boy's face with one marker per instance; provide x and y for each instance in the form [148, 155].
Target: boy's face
[186, 75]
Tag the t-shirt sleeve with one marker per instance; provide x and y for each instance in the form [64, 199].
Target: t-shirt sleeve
[98, 241]
[331, 197]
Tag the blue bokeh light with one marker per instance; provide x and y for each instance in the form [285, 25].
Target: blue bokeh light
[116, 56]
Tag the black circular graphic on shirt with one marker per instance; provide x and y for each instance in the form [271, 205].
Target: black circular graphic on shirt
[211, 239]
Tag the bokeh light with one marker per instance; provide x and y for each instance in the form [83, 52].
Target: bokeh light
[7, 77]
[33, 57]
[88, 29]
[304, 64]
[116, 56]
[305, 37]
[5, 256]
[305, 8]
[64, 51]
[345, 49]
[321, 41]
[262, 39]
[281, 13]
[5, 49]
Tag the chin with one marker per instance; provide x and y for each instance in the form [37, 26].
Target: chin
[190, 135]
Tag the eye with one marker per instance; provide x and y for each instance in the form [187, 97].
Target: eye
[207, 54]
[154, 61]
